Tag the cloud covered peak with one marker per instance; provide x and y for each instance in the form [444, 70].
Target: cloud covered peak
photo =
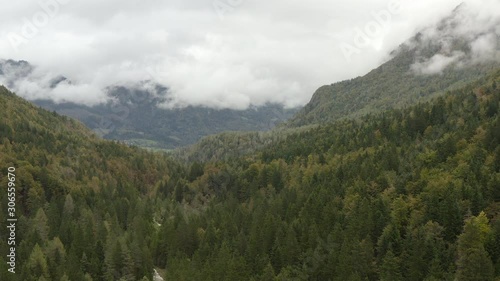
[470, 35]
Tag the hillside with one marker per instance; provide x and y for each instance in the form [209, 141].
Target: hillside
[434, 61]
[136, 118]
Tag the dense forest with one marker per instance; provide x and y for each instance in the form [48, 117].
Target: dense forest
[404, 194]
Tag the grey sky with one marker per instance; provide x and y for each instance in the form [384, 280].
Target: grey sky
[218, 53]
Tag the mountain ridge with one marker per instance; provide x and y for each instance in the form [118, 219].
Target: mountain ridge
[405, 194]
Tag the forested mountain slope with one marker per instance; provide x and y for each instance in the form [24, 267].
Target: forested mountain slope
[391, 176]
[392, 85]
[84, 205]
[436, 60]
[409, 194]
[230, 145]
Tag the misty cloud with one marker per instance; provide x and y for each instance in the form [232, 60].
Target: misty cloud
[470, 36]
[486, 47]
[258, 52]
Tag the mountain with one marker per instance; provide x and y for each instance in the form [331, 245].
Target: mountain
[438, 59]
[404, 194]
[136, 114]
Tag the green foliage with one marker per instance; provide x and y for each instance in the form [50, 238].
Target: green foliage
[137, 118]
[73, 191]
[406, 194]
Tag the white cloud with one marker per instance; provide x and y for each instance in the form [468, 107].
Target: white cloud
[35, 84]
[475, 22]
[486, 47]
[263, 51]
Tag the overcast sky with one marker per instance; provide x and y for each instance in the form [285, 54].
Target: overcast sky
[218, 53]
